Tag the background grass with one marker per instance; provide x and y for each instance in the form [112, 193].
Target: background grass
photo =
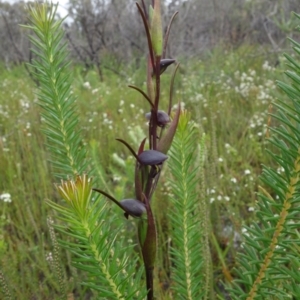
[229, 95]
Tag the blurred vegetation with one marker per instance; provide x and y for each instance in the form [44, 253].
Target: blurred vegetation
[229, 94]
[96, 29]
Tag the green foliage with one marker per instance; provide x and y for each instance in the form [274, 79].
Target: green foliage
[186, 229]
[98, 251]
[87, 230]
[269, 264]
[235, 104]
[102, 113]
[55, 94]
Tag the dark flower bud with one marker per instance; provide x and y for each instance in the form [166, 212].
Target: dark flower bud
[133, 207]
[166, 141]
[152, 157]
[162, 118]
[164, 63]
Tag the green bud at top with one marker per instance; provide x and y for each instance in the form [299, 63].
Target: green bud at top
[156, 30]
[151, 10]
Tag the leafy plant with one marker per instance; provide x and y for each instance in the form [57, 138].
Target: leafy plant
[185, 216]
[269, 262]
[55, 94]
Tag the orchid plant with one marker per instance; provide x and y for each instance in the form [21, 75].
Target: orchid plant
[149, 162]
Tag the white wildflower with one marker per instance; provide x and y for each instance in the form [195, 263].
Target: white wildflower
[266, 66]
[5, 197]
[233, 179]
[87, 85]
[49, 256]
[247, 172]
[117, 178]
